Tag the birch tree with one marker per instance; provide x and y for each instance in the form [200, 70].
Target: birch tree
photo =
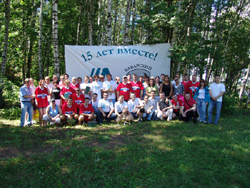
[55, 36]
[127, 22]
[40, 40]
[90, 24]
[109, 28]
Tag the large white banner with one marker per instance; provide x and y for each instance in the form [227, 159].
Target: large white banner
[151, 60]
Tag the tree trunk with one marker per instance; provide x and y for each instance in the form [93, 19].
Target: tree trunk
[31, 38]
[55, 36]
[103, 36]
[40, 40]
[5, 48]
[90, 26]
[109, 19]
[98, 23]
[127, 21]
[244, 84]
[114, 30]
[78, 25]
[133, 22]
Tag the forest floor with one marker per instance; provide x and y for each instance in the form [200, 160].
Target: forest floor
[148, 154]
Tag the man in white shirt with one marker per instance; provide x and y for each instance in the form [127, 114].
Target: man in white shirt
[97, 87]
[164, 108]
[106, 108]
[110, 86]
[216, 92]
[133, 105]
[121, 110]
[146, 112]
[86, 88]
[154, 101]
[94, 103]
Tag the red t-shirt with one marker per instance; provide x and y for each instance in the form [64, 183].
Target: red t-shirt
[191, 102]
[124, 90]
[77, 100]
[41, 97]
[176, 103]
[185, 83]
[192, 88]
[68, 109]
[74, 86]
[86, 110]
[136, 88]
[69, 91]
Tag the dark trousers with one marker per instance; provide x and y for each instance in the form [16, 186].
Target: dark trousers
[188, 115]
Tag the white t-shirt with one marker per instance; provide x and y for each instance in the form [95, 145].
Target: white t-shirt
[108, 85]
[96, 89]
[216, 89]
[201, 94]
[132, 104]
[49, 86]
[95, 104]
[146, 106]
[119, 107]
[106, 105]
[154, 102]
[83, 86]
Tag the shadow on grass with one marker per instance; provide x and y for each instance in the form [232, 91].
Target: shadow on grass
[150, 154]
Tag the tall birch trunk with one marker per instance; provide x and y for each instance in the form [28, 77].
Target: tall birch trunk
[40, 40]
[133, 21]
[109, 19]
[98, 22]
[55, 36]
[90, 26]
[78, 24]
[114, 30]
[127, 21]
[244, 84]
[5, 48]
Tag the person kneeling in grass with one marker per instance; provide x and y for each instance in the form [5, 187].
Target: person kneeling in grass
[134, 105]
[146, 110]
[53, 113]
[121, 110]
[69, 112]
[164, 108]
[86, 112]
[177, 104]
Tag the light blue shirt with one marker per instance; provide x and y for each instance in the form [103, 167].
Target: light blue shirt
[25, 91]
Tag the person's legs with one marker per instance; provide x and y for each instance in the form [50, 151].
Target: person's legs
[44, 112]
[169, 113]
[30, 113]
[113, 101]
[99, 116]
[203, 111]
[24, 110]
[150, 115]
[46, 118]
[159, 115]
[199, 108]
[210, 110]
[218, 109]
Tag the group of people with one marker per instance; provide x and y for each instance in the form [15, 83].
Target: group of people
[134, 99]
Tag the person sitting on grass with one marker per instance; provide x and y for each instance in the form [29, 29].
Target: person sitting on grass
[146, 110]
[121, 110]
[164, 108]
[177, 103]
[69, 112]
[188, 109]
[106, 108]
[86, 112]
[53, 113]
[154, 102]
[134, 105]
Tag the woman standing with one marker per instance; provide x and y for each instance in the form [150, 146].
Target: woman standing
[41, 93]
[202, 98]
[157, 81]
[179, 89]
[55, 93]
[166, 87]
[152, 87]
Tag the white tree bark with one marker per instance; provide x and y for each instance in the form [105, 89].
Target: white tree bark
[40, 40]
[109, 19]
[244, 83]
[78, 24]
[55, 36]
[6, 37]
[90, 25]
[133, 21]
[127, 22]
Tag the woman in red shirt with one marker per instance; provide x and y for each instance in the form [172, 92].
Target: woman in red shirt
[41, 93]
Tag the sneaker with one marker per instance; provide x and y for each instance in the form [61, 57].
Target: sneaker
[205, 122]
[118, 124]
[200, 121]
[33, 122]
[51, 123]
[129, 123]
[124, 123]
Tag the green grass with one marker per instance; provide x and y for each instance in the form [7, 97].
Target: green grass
[150, 154]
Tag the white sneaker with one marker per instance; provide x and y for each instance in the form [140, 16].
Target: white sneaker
[118, 124]
[33, 122]
[51, 123]
[125, 123]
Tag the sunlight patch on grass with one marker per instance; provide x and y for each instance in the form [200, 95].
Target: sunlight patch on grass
[65, 170]
[199, 138]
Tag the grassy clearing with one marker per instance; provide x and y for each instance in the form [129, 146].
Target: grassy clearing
[150, 154]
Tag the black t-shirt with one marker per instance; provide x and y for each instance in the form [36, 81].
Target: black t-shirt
[55, 93]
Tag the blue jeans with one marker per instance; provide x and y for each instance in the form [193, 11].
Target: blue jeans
[26, 107]
[202, 108]
[148, 116]
[212, 104]
[100, 116]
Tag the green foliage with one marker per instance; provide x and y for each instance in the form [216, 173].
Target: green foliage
[148, 154]
[11, 113]
[10, 92]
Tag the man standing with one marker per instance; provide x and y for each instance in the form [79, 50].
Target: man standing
[97, 86]
[216, 92]
[164, 108]
[109, 87]
[137, 87]
[188, 109]
[192, 86]
[106, 108]
[185, 82]
[25, 99]
[124, 88]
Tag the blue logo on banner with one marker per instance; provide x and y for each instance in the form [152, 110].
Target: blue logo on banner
[105, 71]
